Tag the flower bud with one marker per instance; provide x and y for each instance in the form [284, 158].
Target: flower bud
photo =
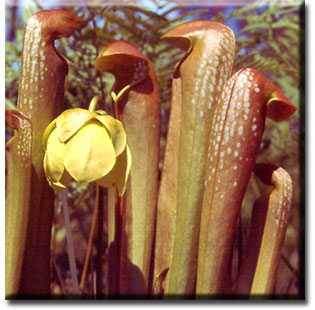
[86, 146]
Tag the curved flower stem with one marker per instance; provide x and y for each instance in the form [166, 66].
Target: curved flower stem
[117, 97]
[95, 100]
[89, 249]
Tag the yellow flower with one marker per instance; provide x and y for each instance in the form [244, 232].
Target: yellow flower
[86, 146]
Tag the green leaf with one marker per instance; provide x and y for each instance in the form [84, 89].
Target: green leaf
[257, 26]
[285, 24]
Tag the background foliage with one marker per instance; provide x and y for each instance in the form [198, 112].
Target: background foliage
[268, 38]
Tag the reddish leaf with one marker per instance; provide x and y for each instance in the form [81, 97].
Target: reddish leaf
[236, 131]
[202, 71]
[166, 205]
[279, 207]
[137, 93]
[41, 91]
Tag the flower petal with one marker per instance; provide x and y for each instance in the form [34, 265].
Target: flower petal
[53, 156]
[116, 130]
[60, 185]
[118, 176]
[89, 154]
[56, 186]
[70, 121]
[101, 112]
[63, 182]
[47, 132]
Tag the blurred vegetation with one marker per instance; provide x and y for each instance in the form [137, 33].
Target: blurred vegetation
[268, 39]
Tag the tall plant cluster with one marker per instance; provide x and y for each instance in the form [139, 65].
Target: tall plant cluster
[202, 185]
